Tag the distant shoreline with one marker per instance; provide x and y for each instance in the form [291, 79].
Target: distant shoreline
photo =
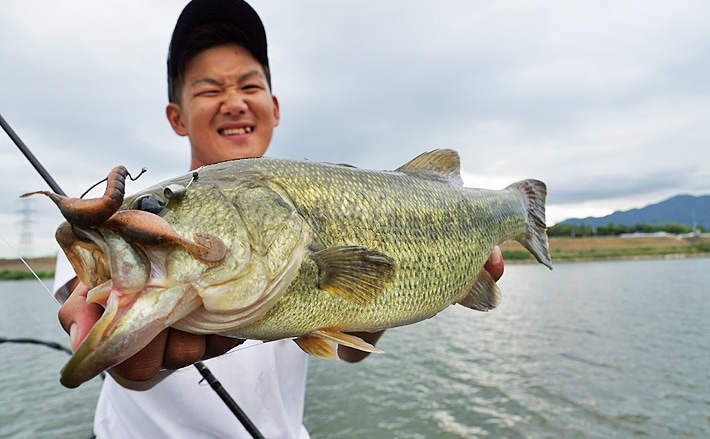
[15, 269]
[556, 261]
[612, 248]
[561, 249]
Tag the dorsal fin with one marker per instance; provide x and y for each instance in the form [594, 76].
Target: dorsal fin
[439, 165]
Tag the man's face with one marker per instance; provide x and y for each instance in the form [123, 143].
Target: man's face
[226, 107]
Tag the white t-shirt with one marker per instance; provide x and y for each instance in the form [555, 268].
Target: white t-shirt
[267, 381]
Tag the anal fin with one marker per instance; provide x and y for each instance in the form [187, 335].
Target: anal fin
[318, 347]
[484, 293]
[323, 343]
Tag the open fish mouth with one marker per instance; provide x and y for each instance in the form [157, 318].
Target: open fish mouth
[100, 256]
[109, 250]
[138, 301]
[122, 262]
[115, 248]
[127, 324]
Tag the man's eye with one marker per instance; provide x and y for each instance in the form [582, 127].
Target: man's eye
[207, 93]
[252, 87]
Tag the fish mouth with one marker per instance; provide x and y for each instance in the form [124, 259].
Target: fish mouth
[121, 248]
[127, 325]
[100, 256]
[138, 301]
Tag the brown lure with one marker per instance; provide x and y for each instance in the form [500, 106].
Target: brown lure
[92, 211]
[151, 230]
[138, 226]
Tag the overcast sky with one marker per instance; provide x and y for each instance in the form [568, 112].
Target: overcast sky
[608, 102]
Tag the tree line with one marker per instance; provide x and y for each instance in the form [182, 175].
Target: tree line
[611, 229]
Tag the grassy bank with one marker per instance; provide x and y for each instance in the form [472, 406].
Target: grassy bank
[611, 248]
[14, 269]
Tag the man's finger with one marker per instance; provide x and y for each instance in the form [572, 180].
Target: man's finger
[78, 317]
[494, 265]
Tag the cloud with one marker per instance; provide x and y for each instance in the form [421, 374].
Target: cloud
[606, 101]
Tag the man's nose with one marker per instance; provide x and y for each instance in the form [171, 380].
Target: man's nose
[234, 103]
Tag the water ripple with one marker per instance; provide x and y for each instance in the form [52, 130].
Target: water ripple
[591, 351]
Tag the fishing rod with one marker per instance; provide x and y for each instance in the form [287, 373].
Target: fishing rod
[226, 397]
[200, 366]
[26, 151]
[49, 344]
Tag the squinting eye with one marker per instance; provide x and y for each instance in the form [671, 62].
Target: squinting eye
[147, 203]
[208, 93]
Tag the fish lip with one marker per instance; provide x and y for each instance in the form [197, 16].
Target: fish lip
[115, 294]
[128, 324]
[91, 357]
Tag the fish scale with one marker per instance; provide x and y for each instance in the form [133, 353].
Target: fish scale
[435, 232]
[270, 248]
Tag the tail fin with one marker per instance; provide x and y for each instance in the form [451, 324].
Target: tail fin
[535, 237]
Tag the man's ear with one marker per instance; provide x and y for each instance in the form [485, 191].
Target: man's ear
[174, 113]
[277, 112]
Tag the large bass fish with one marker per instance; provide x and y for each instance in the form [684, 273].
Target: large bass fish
[269, 249]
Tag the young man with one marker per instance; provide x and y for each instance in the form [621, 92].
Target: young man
[219, 89]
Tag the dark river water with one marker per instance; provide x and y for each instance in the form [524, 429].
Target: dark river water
[588, 350]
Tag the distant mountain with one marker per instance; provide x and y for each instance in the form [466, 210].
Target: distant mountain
[682, 209]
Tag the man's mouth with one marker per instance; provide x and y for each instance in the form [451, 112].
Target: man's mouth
[236, 131]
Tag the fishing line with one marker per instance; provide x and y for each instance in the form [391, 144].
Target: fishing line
[244, 346]
[246, 422]
[30, 268]
[143, 171]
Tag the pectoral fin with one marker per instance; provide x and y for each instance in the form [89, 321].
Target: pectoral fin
[356, 274]
[483, 295]
[324, 343]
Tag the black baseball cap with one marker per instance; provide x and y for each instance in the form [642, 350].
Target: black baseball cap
[197, 13]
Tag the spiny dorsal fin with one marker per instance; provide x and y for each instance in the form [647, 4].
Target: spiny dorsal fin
[323, 343]
[439, 165]
[354, 273]
[483, 295]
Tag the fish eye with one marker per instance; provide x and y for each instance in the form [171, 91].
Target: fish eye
[148, 203]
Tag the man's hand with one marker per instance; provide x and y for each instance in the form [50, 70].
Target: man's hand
[171, 349]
